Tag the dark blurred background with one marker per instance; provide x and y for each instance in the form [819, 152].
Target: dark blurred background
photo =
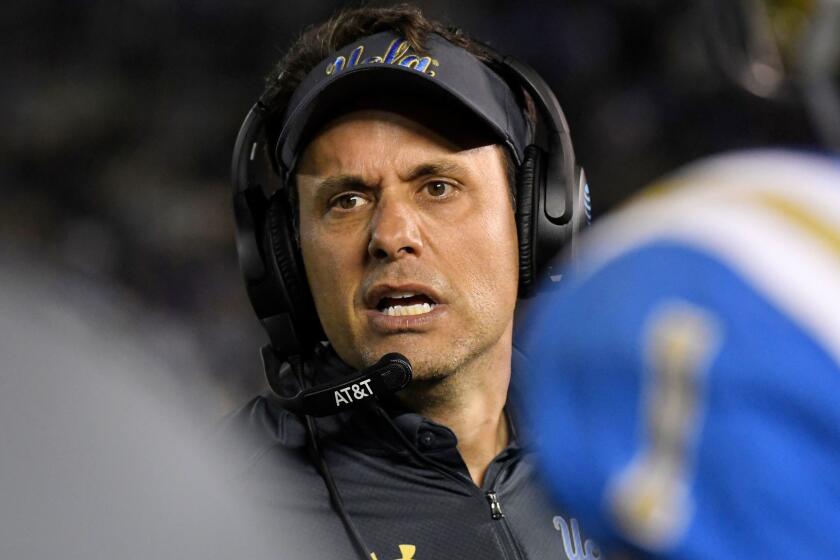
[119, 121]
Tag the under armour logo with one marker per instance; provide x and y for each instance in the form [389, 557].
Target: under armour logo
[406, 552]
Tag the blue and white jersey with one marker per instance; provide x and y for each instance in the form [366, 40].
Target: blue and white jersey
[686, 379]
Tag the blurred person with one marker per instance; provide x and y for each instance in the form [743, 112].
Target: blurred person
[418, 182]
[103, 449]
[692, 359]
[692, 364]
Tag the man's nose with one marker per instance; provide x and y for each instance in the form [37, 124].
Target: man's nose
[394, 231]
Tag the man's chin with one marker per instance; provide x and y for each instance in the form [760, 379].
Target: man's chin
[427, 363]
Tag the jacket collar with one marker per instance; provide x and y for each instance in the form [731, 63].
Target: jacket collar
[365, 430]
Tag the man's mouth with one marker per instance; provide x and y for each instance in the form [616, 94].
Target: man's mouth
[398, 304]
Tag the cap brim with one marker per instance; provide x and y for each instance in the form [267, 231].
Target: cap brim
[389, 89]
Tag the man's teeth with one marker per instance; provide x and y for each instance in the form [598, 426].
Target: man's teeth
[416, 309]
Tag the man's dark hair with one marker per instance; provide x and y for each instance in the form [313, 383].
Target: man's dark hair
[349, 25]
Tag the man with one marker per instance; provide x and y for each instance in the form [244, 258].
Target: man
[397, 144]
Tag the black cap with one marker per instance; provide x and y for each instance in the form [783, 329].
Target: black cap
[384, 63]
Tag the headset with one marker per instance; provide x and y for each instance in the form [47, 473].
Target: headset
[552, 205]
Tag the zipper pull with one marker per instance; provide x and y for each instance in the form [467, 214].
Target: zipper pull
[495, 506]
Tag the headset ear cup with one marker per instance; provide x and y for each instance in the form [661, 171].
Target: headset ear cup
[528, 179]
[289, 266]
[582, 213]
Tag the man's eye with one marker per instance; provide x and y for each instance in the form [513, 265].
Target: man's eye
[438, 189]
[348, 201]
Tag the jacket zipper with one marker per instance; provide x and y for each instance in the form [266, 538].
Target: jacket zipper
[495, 506]
[512, 549]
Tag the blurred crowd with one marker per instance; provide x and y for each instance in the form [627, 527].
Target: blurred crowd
[119, 120]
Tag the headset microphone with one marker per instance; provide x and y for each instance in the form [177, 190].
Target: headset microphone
[390, 374]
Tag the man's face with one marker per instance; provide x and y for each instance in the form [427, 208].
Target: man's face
[409, 243]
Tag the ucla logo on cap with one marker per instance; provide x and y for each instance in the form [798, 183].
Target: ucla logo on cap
[397, 53]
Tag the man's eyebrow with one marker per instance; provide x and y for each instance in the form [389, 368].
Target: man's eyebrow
[443, 167]
[426, 169]
[342, 183]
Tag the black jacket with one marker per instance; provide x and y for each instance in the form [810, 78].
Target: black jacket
[402, 484]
